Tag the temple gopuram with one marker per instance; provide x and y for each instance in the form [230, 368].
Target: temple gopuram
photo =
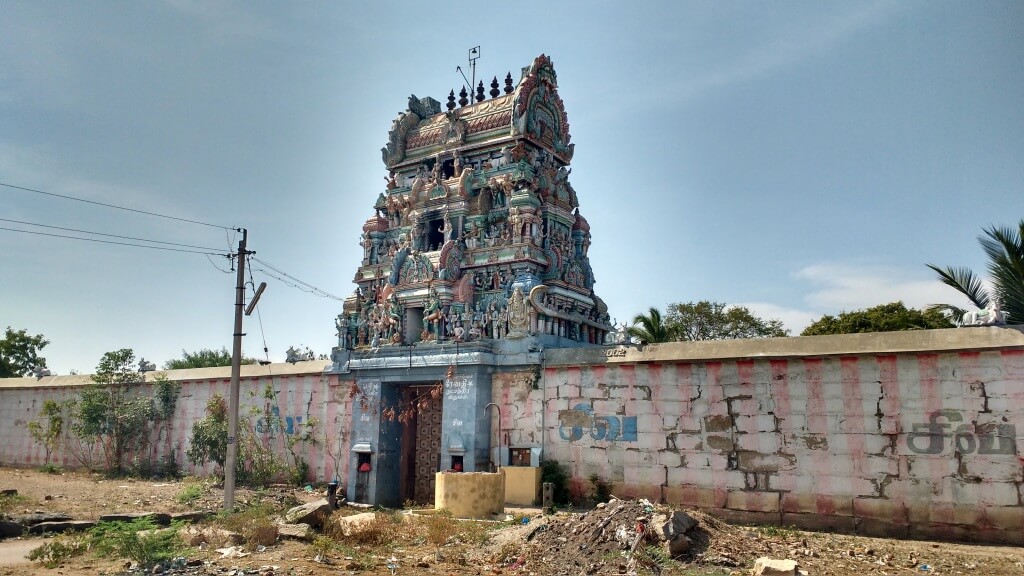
[475, 257]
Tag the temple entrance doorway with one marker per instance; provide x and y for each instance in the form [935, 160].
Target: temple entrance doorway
[413, 324]
[421, 444]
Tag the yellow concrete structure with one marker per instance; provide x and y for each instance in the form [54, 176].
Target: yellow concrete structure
[522, 485]
[470, 494]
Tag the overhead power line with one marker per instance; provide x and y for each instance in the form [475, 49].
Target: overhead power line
[111, 242]
[107, 235]
[114, 206]
[294, 282]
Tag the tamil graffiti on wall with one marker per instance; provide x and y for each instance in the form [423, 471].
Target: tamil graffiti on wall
[581, 421]
[288, 424]
[934, 436]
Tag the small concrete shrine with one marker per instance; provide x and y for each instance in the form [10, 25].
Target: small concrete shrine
[475, 257]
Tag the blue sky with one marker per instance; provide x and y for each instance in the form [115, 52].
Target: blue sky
[800, 158]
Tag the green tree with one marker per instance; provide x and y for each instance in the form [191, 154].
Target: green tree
[706, 320]
[209, 440]
[19, 353]
[51, 434]
[204, 358]
[116, 415]
[650, 328]
[892, 317]
[1004, 248]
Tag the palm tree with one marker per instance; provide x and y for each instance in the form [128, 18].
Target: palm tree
[651, 329]
[1005, 250]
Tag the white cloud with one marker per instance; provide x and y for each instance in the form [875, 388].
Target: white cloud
[835, 287]
[801, 42]
[792, 318]
[224, 19]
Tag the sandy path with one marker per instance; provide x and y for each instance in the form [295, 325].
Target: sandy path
[13, 552]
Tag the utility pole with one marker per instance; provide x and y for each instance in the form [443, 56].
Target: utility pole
[236, 370]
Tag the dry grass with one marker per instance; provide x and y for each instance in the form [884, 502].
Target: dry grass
[383, 531]
[261, 534]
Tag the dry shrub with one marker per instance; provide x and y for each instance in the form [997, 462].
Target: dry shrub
[261, 534]
[440, 527]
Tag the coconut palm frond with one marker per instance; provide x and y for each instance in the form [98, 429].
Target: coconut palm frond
[1004, 247]
[650, 327]
[963, 280]
[954, 313]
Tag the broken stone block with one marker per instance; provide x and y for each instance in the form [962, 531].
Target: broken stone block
[59, 527]
[312, 513]
[195, 516]
[302, 532]
[158, 518]
[678, 545]
[679, 523]
[356, 522]
[196, 535]
[765, 566]
[37, 517]
[10, 529]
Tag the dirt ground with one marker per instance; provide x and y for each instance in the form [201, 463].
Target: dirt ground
[599, 541]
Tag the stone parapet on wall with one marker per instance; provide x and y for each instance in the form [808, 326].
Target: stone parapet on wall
[947, 340]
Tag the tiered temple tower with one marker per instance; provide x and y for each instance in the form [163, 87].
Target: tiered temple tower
[478, 234]
[474, 262]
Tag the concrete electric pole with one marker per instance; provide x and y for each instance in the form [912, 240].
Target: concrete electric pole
[236, 370]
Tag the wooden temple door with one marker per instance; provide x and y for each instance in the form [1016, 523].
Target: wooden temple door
[421, 445]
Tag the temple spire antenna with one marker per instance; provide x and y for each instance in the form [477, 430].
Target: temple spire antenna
[474, 55]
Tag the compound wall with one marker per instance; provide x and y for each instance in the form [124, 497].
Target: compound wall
[301, 394]
[909, 434]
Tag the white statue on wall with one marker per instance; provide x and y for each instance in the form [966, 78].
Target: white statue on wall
[991, 315]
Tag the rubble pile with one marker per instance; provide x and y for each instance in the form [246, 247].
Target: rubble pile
[630, 536]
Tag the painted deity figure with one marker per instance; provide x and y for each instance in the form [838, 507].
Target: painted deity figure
[515, 223]
[432, 312]
[341, 323]
[494, 315]
[394, 317]
[518, 314]
[446, 229]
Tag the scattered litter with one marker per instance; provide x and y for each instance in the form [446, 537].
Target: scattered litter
[232, 552]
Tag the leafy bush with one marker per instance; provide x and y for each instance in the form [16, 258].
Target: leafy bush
[191, 493]
[139, 540]
[9, 502]
[266, 453]
[58, 550]
[252, 522]
[601, 488]
[50, 469]
[553, 472]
